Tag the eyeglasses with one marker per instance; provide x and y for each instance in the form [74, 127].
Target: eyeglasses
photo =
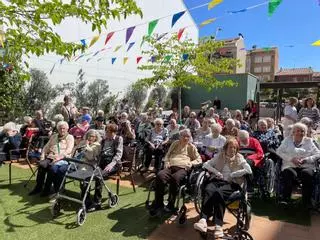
[159, 124]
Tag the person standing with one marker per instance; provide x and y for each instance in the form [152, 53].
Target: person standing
[69, 111]
[290, 115]
[311, 111]
[217, 103]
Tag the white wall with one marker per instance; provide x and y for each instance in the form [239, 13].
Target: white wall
[118, 75]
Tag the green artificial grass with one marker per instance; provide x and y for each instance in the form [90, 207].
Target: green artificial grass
[29, 217]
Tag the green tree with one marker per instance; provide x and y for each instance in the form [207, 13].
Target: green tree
[39, 92]
[136, 96]
[179, 64]
[96, 93]
[29, 29]
[158, 95]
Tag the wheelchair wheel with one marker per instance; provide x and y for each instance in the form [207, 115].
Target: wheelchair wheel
[81, 216]
[113, 200]
[182, 218]
[270, 176]
[242, 235]
[55, 208]
[198, 192]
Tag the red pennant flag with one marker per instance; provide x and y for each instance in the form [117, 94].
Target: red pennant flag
[109, 36]
[138, 59]
[180, 33]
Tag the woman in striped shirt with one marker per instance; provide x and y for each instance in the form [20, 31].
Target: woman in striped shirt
[311, 111]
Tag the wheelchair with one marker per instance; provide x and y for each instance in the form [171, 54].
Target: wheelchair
[237, 204]
[84, 172]
[189, 190]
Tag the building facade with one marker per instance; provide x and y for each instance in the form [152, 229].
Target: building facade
[263, 63]
[295, 75]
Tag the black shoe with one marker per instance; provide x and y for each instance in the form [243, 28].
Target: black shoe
[94, 207]
[34, 191]
[155, 211]
[169, 208]
[45, 194]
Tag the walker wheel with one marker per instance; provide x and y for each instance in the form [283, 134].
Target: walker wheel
[113, 200]
[55, 208]
[81, 216]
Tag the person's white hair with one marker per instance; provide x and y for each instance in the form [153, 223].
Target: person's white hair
[262, 121]
[92, 132]
[124, 114]
[230, 121]
[300, 126]
[226, 109]
[237, 124]
[307, 121]
[9, 126]
[243, 134]
[158, 120]
[238, 112]
[216, 116]
[144, 116]
[62, 123]
[185, 132]
[27, 119]
[216, 127]
[193, 114]
[211, 121]
[58, 118]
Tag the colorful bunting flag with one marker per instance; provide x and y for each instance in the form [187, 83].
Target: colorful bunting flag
[88, 59]
[316, 43]
[273, 4]
[144, 38]
[180, 33]
[80, 56]
[176, 17]
[109, 36]
[113, 60]
[83, 42]
[185, 56]
[129, 33]
[162, 36]
[117, 48]
[214, 3]
[130, 46]
[61, 60]
[125, 60]
[153, 59]
[99, 59]
[138, 59]
[238, 11]
[94, 40]
[54, 65]
[167, 58]
[152, 26]
[208, 21]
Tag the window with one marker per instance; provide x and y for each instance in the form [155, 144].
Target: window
[257, 69]
[258, 59]
[266, 77]
[266, 69]
[267, 59]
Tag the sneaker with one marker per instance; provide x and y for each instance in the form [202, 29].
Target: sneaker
[34, 191]
[218, 232]
[201, 226]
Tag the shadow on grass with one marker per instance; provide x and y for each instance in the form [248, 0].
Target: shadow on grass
[294, 213]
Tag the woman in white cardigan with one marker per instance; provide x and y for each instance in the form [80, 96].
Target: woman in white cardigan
[227, 169]
[214, 142]
[298, 153]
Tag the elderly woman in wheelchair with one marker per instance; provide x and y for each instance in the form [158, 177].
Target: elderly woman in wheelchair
[227, 175]
[178, 160]
[299, 155]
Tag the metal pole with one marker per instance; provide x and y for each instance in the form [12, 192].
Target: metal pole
[179, 105]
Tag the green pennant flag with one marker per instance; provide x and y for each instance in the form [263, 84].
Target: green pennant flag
[266, 49]
[273, 4]
[167, 58]
[152, 26]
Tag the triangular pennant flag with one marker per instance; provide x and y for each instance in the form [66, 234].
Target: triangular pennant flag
[138, 59]
[129, 33]
[88, 59]
[80, 56]
[94, 40]
[273, 4]
[176, 17]
[161, 36]
[99, 59]
[96, 53]
[153, 59]
[208, 21]
[130, 46]
[83, 42]
[109, 36]
[185, 56]
[113, 60]
[125, 60]
[238, 11]
[61, 60]
[117, 48]
[214, 3]
[152, 26]
[316, 43]
[144, 38]
[54, 65]
[180, 33]
[167, 58]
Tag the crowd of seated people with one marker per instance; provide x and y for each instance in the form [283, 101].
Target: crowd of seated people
[221, 139]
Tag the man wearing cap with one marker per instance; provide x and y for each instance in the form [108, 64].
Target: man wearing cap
[99, 126]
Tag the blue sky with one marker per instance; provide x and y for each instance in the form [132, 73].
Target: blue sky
[295, 22]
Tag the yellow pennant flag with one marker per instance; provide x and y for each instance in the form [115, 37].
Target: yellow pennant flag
[316, 43]
[1, 41]
[214, 3]
[125, 60]
[117, 48]
[206, 22]
[94, 40]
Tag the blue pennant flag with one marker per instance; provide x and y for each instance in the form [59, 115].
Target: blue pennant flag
[239, 11]
[113, 60]
[176, 17]
[185, 56]
[83, 42]
[130, 46]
